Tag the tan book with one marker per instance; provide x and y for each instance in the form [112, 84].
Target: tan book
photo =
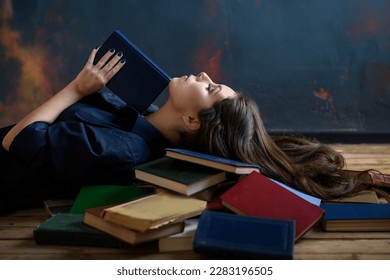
[365, 196]
[154, 211]
[356, 225]
[93, 218]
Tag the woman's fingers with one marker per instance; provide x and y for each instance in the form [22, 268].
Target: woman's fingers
[108, 65]
[102, 62]
[111, 63]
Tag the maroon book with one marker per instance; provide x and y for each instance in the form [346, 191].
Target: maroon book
[257, 195]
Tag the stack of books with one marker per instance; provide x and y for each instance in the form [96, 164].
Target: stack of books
[255, 217]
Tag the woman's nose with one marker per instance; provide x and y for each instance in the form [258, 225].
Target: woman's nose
[202, 76]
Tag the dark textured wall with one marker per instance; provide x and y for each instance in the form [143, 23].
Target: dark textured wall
[312, 65]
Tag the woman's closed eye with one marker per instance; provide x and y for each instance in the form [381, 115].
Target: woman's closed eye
[209, 88]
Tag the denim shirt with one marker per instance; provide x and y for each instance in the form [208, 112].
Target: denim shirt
[98, 140]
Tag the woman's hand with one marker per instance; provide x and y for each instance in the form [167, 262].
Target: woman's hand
[94, 77]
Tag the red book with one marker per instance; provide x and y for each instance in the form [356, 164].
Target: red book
[257, 195]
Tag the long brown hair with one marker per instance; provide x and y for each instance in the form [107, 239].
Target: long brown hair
[233, 128]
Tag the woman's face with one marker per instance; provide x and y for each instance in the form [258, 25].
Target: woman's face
[192, 93]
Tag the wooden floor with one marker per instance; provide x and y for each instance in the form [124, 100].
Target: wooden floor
[16, 240]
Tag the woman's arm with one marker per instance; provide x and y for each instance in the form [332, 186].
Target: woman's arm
[90, 79]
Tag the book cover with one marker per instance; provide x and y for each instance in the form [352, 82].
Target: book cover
[231, 235]
[183, 177]
[257, 195]
[98, 195]
[355, 211]
[180, 241]
[356, 217]
[93, 218]
[140, 80]
[213, 161]
[154, 211]
[312, 199]
[68, 229]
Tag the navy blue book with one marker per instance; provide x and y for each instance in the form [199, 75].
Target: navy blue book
[356, 217]
[140, 80]
[355, 211]
[213, 161]
[227, 235]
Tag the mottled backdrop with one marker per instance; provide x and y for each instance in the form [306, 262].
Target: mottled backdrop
[312, 65]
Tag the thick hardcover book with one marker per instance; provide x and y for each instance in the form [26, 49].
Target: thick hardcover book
[93, 218]
[356, 217]
[180, 176]
[68, 229]
[257, 195]
[154, 211]
[140, 80]
[235, 236]
[213, 161]
[99, 195]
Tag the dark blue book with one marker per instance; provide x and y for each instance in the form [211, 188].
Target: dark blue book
[140, 80]
[356, 217]
[213, 161]
[355, 211]
[227, 235]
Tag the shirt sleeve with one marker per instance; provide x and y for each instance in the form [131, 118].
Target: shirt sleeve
[75, 151]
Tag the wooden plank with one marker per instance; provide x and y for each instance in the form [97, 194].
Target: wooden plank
[100, 256]
[27, 249]
[316, 256]
[357, 167]
[362, 148]
[21, 221]
[365, 161]
[340, 246]
[365, 156]
[15, 233]
[317, 233]
[29, 212]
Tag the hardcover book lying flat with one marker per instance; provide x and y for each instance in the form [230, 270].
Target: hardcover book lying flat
[140, 80]
[93, 218]
[356, 217]
[213, 161]
[257, 195]
[154, 211]
[180, 176]
[68, 229]
[243, 237]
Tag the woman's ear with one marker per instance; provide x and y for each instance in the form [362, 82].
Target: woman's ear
[191, 123]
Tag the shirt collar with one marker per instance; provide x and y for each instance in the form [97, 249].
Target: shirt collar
[155, 140]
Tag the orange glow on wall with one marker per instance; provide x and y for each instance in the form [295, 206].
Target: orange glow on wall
[33, 84]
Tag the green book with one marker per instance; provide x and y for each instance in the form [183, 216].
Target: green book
[179, 176]
[69, 229]
[99, 195]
